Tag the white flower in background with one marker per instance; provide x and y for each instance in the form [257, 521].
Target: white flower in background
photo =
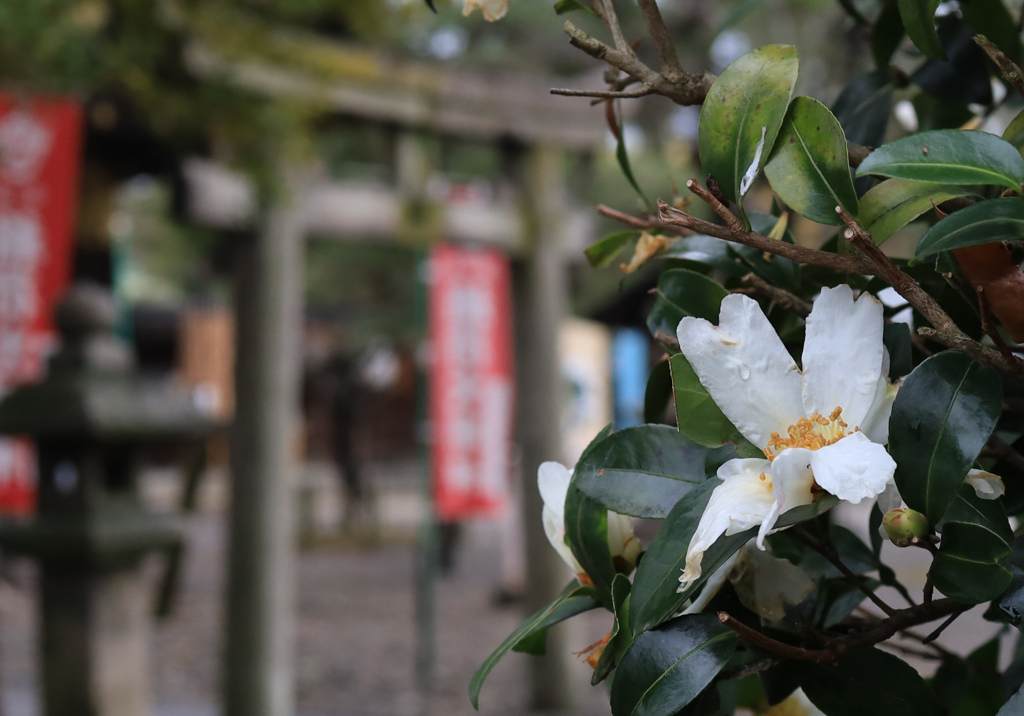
[492, 9]
[986, 485]
[822, 427]
[553, 482]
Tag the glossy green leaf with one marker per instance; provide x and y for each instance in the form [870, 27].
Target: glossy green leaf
[586, 531]
[1012, 600]
[863, 107]
[564, 6]
[981, 223]
[573, 600]
[654, 598]
[941, 419]
[891, 205]
[776, 270]
[680, 293]
[976, 536]
[742, 115]
[948, 156]
[869, 681]
[658, 393]
[666, 668]
[697, 415]
[886, 34]
[601, 253]
[641, 471]
[1014, 132]
[919, 21]
[620, 637]
[896, 339]
[809, 167]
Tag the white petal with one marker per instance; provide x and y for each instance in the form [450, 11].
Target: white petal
[876, 423]
[742, 501]
[792, 480]
[554, 528]
[853, 469]
[621, 540]
[842, 357]
[492, 9]
[712, 585]
[986, 485]
[553, 483]
[889, 499]
[745, 367]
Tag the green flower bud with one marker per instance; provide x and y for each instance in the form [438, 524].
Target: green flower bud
[903, 524]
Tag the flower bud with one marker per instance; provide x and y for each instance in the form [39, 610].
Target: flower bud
[903, 524]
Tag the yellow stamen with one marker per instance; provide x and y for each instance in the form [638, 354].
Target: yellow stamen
[811, 433]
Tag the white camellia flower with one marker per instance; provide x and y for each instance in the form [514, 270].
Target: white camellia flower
[553, 482]
[822, 427]
[492, 9]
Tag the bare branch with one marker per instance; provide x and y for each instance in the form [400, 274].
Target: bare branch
[602, 94]
[782, 297]
[1007, 67]
[800, 254]
[612, 21]
[671, 69]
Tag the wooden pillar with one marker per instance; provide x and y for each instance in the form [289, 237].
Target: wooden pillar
[541, 296]
[258, 677]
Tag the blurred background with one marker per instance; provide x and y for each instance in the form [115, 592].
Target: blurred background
[352, 232]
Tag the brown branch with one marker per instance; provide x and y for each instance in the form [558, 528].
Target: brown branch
[942, 627]
[644, 224]
[944, 329]
[900, 620]
[780, 296]
[671, 69]
[828, 551]
[799, 254]
[1000, 450]
[611, 21]
[1007, 67]
[602, 94]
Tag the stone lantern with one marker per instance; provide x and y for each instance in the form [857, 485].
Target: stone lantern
[91, 419]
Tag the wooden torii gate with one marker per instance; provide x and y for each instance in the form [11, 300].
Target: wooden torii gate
[535, 226]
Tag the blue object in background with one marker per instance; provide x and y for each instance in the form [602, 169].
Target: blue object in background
[630, 364]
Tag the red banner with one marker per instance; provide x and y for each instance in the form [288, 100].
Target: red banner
[40, 154]
[471, 398]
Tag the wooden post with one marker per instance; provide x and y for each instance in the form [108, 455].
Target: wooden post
[541, 289]
[258, 677]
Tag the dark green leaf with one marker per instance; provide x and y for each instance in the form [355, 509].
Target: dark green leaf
[620, 637]
[992, 19]
[981, 223]
[964, 79]
[948, 156]
[586, 531]
[1014, 133]
[809, 168]
[896, 338]
[976, 536]
[919, 22]
[807, 512]
[891, 205]
[776, 270]
[863, 107]
[697, 415]
[1015, 706]
[869, 681]
[887, 34]
[641, 471]
[564, 6]
[1012, 600]
[781, 680]
[658, 393]
[654, 598]
[573, 600]
[680, 293]
[742, 115]
[941, 418]
[666, 668]
[601, 253]
[535, 644]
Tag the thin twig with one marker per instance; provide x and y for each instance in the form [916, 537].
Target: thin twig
[944, 329]
[929, 590]
[828, 551]
[942, 627]
[611, 20]
[987, 326]
[780, 296]
[671, 69]
[637, 222]
[800, 254]
[773, 645]
[1007, 67]
[603, 94]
